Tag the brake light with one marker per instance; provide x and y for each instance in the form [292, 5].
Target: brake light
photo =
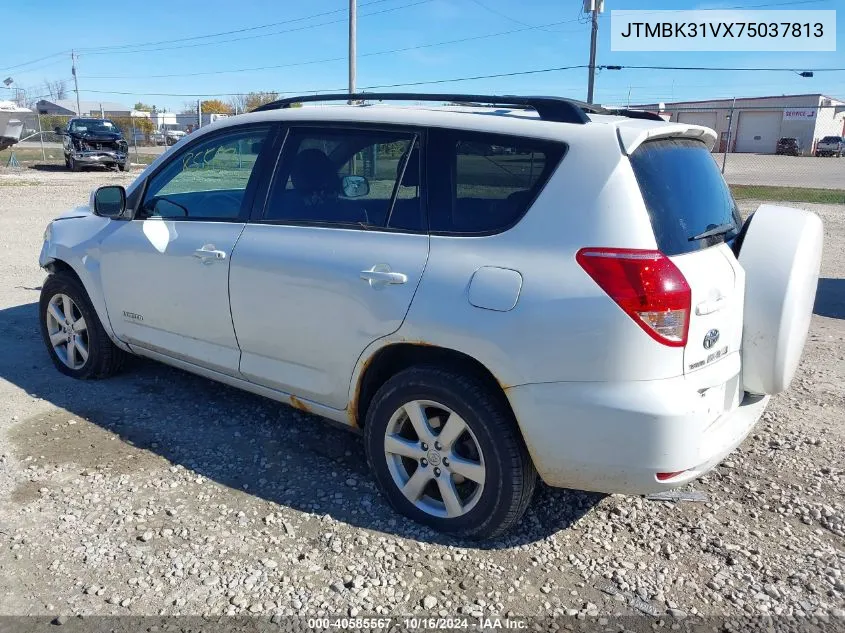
[647, 286]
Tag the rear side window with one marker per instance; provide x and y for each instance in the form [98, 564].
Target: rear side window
[688, 201]
[485, 183]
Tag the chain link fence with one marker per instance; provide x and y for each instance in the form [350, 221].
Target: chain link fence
[147, 136]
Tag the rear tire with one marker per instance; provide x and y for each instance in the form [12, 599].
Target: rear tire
[94, 356]
[478, 482]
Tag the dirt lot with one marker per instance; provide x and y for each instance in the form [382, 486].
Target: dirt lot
[158, 492]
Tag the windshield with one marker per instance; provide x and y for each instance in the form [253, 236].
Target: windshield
[93, 125]
[688, 201]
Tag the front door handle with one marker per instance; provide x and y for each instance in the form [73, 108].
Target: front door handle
[209, 254]
[380, 275]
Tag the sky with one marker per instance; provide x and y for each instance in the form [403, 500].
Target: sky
[160, 51]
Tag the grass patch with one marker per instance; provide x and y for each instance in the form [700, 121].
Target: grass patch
[788, 194]
[17, 183]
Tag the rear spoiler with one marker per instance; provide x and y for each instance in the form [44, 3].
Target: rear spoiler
[632, 136]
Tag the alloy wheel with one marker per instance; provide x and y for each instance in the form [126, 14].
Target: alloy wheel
[434, 459]
[67, 330]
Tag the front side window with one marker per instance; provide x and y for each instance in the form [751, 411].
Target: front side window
[487, 182]
[208, 180]
[368, 178]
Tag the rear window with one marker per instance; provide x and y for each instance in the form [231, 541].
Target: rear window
[831, 139]
[485, 183]
[685, 195]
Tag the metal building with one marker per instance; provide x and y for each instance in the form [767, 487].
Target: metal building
[758, 122]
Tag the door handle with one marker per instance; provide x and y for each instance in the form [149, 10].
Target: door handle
[209, 254]
[380, 275]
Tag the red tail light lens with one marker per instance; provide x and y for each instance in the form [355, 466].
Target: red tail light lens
[647, 286]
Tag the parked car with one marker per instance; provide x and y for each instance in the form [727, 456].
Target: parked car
[585, 305]
[788, 146]
[173, 136]
[88, 142]
[831, 146]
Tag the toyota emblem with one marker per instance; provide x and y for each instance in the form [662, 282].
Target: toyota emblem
[710, 338]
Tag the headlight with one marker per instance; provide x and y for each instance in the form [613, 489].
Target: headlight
[48, 232]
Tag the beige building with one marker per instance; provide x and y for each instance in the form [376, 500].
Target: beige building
[758, 122]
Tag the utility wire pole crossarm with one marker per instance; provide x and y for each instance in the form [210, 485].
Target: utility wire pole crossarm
[594, 7]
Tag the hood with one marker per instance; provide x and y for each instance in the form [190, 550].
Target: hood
[77, 212]
[97, 136]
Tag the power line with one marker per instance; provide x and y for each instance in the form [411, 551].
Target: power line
[233, 32]
[722, 69]
[334, 59]
[753, 6]
[34, 61]
[252, 37]
[472, 78]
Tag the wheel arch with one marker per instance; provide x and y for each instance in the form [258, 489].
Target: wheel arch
[375, 369]
[54, 265]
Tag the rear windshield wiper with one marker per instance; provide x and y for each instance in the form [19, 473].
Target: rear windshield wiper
[721, 229]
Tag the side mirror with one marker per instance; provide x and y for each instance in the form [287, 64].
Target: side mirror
[109, 202]
[355, 186]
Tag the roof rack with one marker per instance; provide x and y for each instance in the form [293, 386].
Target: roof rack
[549, 108]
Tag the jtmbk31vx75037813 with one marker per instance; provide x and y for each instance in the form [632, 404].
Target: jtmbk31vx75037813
[491, 291]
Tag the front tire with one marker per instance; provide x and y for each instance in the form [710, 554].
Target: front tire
[72, 164]
[76, 340]
[446, 452]
[121, 166]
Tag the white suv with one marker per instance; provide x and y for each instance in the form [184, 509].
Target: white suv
[493, 289]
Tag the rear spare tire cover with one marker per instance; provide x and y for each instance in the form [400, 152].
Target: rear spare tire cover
[781, 255]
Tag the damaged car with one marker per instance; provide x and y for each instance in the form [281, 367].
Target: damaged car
[93, 142]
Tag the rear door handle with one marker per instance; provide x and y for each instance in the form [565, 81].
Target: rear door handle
[380, 275]
[209, 254]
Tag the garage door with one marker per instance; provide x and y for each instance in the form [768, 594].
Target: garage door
[707, 119]
[758, 132]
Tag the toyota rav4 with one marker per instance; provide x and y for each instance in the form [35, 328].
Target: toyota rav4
[491, 290]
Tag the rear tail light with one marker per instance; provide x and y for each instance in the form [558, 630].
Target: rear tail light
[647, 286]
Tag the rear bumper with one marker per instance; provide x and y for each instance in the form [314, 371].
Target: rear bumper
[616, 437]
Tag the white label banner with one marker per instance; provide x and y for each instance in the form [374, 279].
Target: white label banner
[799, 114]
[723, 30]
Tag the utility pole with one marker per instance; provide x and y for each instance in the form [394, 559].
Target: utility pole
[75, 82]
[353, 37]
[595, 7]
[730, 129]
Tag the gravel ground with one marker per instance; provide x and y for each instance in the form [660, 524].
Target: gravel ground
[158, 492]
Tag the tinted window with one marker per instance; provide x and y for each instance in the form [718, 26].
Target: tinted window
[831, 139]
[684, 193]
[348, 177]
[207, 180]
[490, 180]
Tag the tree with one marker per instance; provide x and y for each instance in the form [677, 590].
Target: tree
[143, 107]
[57, 89]
[256, 99]
[216, 106]
[238, 103]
